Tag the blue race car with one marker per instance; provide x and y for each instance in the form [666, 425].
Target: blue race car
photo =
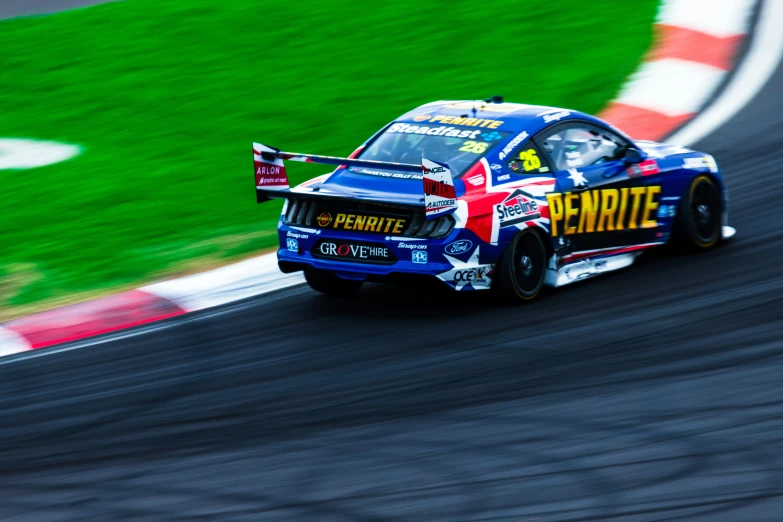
[487, 195]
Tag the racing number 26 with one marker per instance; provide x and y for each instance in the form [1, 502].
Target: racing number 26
[476, 147]
[530, 160]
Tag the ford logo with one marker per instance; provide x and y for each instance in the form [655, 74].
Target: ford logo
[459, 247]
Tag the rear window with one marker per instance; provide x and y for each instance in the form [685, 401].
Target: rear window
[458, 147]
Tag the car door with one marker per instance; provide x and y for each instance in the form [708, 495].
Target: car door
[599, 203]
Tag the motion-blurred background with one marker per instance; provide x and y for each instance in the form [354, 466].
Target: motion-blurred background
[164, 97]
[652, 394]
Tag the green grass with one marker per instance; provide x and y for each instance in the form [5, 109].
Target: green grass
[166, 96]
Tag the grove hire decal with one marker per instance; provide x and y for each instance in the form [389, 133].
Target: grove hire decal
[352, 251]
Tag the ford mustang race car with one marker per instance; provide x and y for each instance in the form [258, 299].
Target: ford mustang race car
[487, 195]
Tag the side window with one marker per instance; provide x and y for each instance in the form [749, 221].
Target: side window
[576, 147]
[528, 160]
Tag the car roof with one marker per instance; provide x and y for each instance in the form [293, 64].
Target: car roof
[513, 117]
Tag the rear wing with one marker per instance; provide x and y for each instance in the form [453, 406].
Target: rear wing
[272, 179]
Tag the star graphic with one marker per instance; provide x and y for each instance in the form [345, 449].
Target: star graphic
[577, 177]
[388, 238]
[472, 263]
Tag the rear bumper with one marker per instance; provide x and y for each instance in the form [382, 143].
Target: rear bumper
[292, 260]
[460, 260]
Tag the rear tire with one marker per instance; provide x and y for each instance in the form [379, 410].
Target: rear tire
[521, 272]
[330, 284]
[697, 226]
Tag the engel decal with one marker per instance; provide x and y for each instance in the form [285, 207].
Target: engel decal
[439, 194]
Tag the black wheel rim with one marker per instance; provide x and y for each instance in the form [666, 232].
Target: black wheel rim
[705, 211]
[528, 267]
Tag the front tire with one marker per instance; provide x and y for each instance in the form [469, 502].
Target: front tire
[521, 272]
[698, 221]
[329, 283]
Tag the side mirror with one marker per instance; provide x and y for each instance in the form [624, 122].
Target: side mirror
[631, 156]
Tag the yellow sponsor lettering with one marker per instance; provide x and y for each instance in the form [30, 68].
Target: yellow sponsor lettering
[650, 208]
[468, 122]
[570, 211]
[555, 202]
[636, 193]
[621, 210]
[365, 223]
[603, 210]
[609, 199]
[588, 211]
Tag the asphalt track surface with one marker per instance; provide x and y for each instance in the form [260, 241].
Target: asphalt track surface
[655, 393]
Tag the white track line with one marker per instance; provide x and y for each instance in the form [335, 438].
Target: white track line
[11, 342]
[671, 86]
[719, 18]
[753, 73]
[127, 334]
[255, 276]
